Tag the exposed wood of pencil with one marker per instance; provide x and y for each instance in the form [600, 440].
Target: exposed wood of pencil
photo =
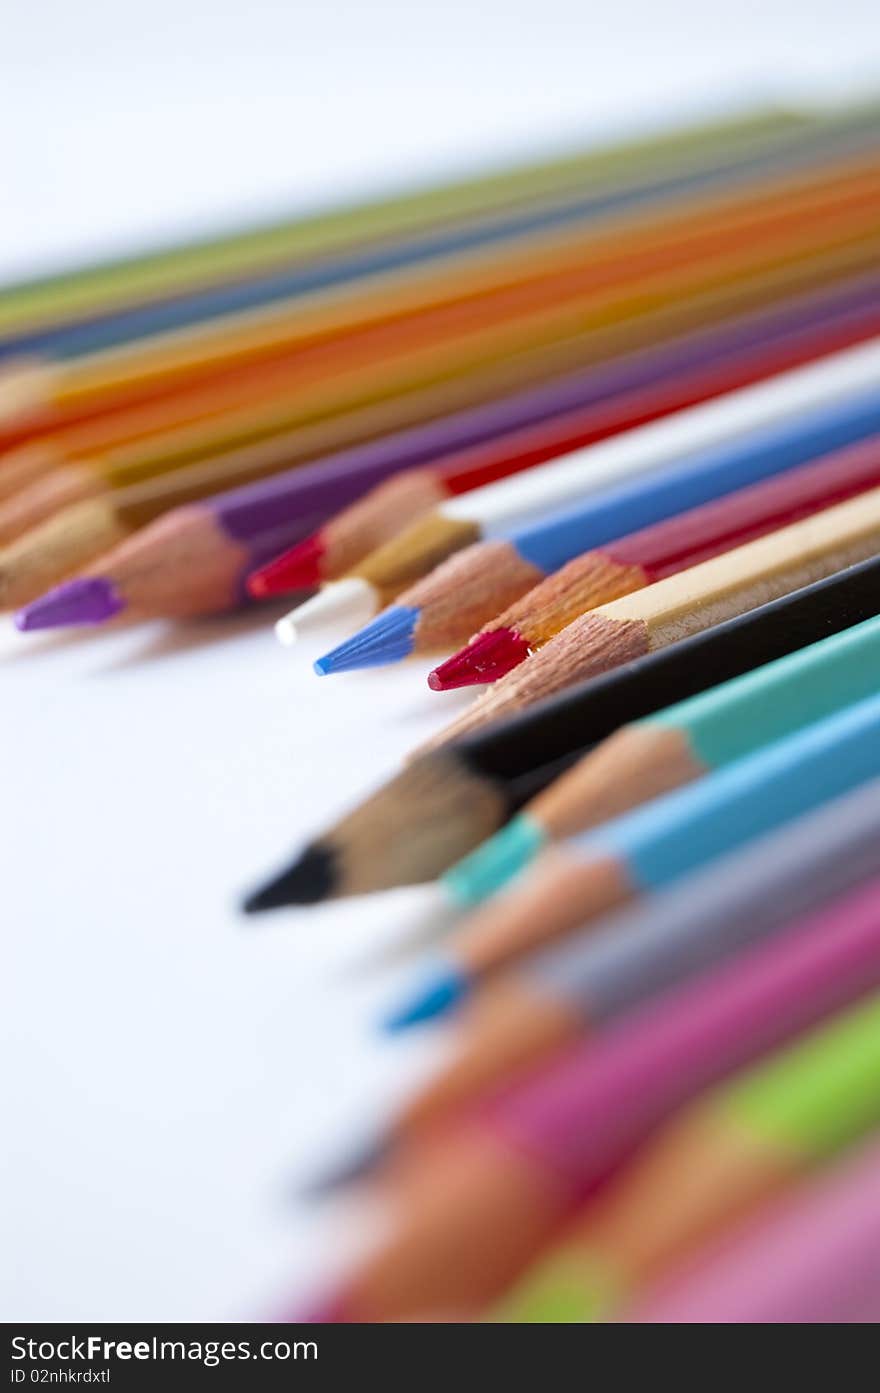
[380, 516]
[558, 894]
[453, 598]
[367, 321]
[631, 767]
[181, 565]
[57, 548]
[684, 604]
[378, 843]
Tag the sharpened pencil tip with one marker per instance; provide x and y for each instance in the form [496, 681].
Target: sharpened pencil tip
[360, 1164]
[484, 659]
[299, 568]
[85, 600]
[350, 602]
[388, 639]
[309, 880]
[441, 992]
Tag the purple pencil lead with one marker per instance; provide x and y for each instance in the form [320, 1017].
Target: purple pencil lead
[86, 600]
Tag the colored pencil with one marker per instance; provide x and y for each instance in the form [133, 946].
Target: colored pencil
[685, 513]
[396, 340]
[675, 746]
[582, 985]
[163, 574]
[748, 1141]
[671, 609]
[642, 851]
[528, 499]
[813, 1259]
[715, 163]
[451, 798]
[140, 279]
[633, 562]
[468, 1214]
[514, 433]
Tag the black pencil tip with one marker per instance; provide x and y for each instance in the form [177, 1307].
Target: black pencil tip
[310, 879]
[358, 1167]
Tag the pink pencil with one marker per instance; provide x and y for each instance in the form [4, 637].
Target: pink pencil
[813, 1260]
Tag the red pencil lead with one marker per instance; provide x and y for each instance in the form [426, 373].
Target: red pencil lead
[296, 569]
[485, 659]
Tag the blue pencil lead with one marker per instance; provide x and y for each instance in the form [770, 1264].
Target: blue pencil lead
[387, 639]
[445, 989]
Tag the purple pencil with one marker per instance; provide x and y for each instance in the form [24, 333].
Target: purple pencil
[469, 1213]
[814, 1260]
[194, 558]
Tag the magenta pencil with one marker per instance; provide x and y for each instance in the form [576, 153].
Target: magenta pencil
[813, 1260]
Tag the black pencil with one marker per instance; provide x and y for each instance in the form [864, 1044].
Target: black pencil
[449, 799]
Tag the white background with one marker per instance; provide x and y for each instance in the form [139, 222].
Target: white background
[173, 1070]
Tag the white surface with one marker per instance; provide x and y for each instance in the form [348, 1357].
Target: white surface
[171, 1067]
